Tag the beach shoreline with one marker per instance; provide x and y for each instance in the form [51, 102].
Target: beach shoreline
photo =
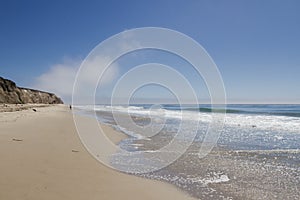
[242, 170]
[43, 158]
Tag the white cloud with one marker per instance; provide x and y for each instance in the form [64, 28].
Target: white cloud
[60, 77]
[92, 68]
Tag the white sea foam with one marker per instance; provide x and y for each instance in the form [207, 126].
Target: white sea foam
[267, 122]
[244, 131]
[129, 133]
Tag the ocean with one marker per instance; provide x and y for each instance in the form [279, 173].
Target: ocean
[256, 155]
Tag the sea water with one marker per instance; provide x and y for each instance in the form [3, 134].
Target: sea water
[256, 155]
[246, 127]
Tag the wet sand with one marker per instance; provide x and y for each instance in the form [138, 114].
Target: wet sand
[43, 158]
[233, 174]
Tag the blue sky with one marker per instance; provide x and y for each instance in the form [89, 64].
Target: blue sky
[255, 44]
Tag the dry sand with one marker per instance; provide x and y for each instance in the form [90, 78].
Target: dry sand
[41, 157]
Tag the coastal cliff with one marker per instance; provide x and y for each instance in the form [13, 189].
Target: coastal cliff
[11, 94]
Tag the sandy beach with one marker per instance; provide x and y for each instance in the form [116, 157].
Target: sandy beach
[43, 158]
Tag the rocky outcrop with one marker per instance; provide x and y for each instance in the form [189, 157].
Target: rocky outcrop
[11, 94]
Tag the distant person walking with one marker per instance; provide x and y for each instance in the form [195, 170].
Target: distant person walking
[70, 107]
